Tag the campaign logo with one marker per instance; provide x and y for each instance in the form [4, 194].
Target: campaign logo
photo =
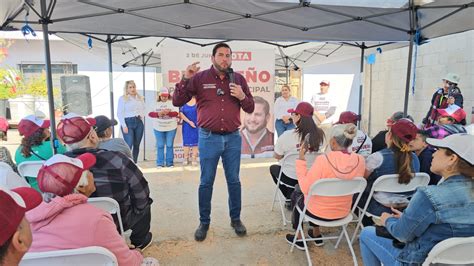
[241, 56]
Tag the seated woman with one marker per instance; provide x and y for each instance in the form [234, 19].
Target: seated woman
[289, 143]
[435, 213]
[395, 159]
[35, 144]
[338, 163]
[378, 142]
[65, 220]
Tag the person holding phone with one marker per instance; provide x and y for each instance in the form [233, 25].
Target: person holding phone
[397, 158]
[305, 131]
[435, 213]
[443, 97]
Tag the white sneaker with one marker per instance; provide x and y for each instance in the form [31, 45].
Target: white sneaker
[185, 163]
[194, 163]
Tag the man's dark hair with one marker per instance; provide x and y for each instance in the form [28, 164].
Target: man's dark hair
[266, 105]
[424, 134]
[4, 249]
[220, 45]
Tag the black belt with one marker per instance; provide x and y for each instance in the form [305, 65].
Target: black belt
[219, 132]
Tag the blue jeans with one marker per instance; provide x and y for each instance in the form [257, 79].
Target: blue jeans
[212, 147]
[376, 250]
[281, 127]
[164, 138]
[134, 135]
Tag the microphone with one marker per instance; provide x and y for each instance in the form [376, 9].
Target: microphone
[230, 74]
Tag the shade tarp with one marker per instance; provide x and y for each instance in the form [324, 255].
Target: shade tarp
[136, 52]
[269, 20]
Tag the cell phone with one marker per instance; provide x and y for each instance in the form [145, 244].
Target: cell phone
[377, 220]
[306, 142]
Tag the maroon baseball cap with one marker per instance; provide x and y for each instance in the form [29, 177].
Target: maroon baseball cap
[13, 206]
[74, 128]
[60, 174]
[404, 129]
[304, 109]
[324, 82]
[30, 124]
[348, 117]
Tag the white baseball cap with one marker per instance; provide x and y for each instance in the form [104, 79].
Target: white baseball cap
[452, 77]
[461, 144]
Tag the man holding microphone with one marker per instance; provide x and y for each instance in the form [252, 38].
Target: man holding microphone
[220, 94]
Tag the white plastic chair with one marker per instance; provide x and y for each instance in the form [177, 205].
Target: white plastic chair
[330, 187]
[278, 195]
[30, 169]
[456, 250]
[111, 206]
[389, 183]
[81, 256]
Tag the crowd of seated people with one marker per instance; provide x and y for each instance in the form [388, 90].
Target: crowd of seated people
[65, 220]
[84, 168]
[403, 149]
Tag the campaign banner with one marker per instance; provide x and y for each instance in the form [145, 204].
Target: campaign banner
[257, 67]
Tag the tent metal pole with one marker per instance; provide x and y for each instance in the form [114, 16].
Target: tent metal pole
[362, 52]
[407, 85]
[144, 90]
[49, 78]
[111, 81]
[410, 55]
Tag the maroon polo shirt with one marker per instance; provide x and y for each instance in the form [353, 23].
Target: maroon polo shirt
[216, 113]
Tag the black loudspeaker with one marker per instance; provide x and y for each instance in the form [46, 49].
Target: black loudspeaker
[76, 94]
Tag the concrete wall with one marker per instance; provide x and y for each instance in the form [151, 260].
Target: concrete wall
[453, 53]
[97, 69]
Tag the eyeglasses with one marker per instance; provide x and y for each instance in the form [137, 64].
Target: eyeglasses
[220, 92]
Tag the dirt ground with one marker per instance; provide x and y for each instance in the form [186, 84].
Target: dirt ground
[175, 217]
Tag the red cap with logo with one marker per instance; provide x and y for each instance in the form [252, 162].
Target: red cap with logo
[404, 129]
[30, 124]
[348, 117]
[74, 128]
[13, 206]
[303, 109]
[60, 174]
[324, 82]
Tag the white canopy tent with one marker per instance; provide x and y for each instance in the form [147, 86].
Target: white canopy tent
[262, 20]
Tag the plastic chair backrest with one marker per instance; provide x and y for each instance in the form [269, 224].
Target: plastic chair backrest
[333, 187]
[389, 183]
[109, 205]
[291, 156]
[30, 169]
[456, 250]
[81, 256]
